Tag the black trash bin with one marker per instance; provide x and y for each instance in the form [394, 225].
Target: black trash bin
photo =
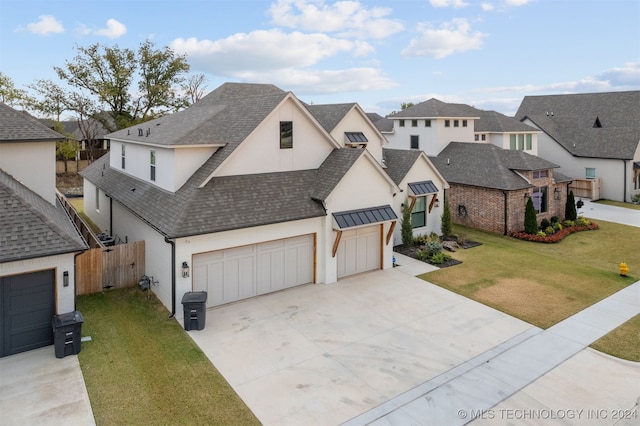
[67, 333]
[194, 304]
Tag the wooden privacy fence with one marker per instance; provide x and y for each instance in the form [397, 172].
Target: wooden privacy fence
[586, 188]
[104, 268]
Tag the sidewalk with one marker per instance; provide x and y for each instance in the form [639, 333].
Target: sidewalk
[455, 397]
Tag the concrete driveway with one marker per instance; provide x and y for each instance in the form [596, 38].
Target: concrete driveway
[323, 354]
[36, 388]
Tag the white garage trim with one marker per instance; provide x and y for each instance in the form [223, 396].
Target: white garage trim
[242, 272]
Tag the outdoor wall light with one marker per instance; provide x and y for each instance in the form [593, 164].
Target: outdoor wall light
[185, 270]
[556, 193]
[65, 279]
[437, 203]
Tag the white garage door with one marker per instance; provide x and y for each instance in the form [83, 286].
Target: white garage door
[359, 251]
[242, 272]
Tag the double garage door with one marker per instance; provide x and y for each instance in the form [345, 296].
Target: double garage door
[27, 305]
[242, 272]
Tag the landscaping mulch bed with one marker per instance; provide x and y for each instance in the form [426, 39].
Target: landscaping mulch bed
[412, 251]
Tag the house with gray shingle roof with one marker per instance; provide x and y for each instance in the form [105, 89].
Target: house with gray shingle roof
[489, 186]
[38, 241]
[590, 136]
[250, 191]
[432, 124]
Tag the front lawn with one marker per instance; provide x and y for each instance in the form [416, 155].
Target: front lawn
[619, 204]
[623, 342]
[543, 283]
[141, 367]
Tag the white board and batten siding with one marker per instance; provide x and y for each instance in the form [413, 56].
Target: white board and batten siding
[359, 251]
[242, 272]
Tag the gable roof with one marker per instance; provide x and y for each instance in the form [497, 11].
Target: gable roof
[32, 227]
[399, 161]
[72, 127]
[572, 121]
[19, 126]
[330, 115]
[486, 165]
[333, 169]
[434, 108]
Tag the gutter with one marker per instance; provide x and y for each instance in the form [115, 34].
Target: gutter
[173, 275]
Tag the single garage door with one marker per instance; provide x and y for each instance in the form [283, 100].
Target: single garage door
[359, 251]
[27, 305]
[242, 272]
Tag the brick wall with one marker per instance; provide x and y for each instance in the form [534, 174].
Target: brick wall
[484, 208]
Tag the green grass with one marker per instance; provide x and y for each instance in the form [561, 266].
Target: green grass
[141, 367]
[543, 283]
[619, 204]
[623, 342]
[78, 204]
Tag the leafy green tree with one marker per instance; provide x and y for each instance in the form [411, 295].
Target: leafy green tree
[406, 229]
[107, 76]
[9, 94]
[406, 105]
[530, 218]
[445, 225]
[570, 212]
[66, 149]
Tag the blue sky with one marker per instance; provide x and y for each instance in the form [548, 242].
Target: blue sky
[489, 54]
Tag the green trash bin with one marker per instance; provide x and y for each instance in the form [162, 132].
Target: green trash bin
[67, 333]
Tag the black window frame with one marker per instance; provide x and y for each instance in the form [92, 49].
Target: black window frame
[416, 139]
[286, 135]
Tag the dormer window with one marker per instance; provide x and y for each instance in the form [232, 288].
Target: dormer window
[286, 134]
[355, 139]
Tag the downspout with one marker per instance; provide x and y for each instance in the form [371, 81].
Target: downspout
[173, 275]
[506, 212]
[624, 180]
[110, 215]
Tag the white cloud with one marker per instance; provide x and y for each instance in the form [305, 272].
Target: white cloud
[264, 51]
[47, 24]
[114, 29]
[487, 7]
[345, 18]
[517, 3]
[452, 37]
[449, 3]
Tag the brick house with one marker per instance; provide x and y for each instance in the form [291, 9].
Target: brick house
[489, 186]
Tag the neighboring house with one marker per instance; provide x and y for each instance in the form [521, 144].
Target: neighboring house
[590, 135]
[246, 192]
[489, 186]
[90, 135]
[431, 125]
[38, 241]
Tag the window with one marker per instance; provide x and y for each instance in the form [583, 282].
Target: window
[521, 142]
[401, 123]
[484, 137]
[512, 141]
[464, 123]
[414, 123]
[539, 174]
[427, 123]
[97, 199]
[122, 152]
[418, 215]
[447, 123]
[540, 199]
[476, 137]
[590, 173]
[529, 143]
[456, 123]
[286, 134]
[415, 142]
[152, 161]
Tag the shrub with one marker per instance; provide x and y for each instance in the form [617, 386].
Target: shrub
[421, 239]
[541, 237]
[570, 207]
[569, 223]
[554, 220]
[463, 239]
[544, 224]
[583, 222]
[635, 199]
[557, 226]
[539, 234]
[445, 225]
[432, 247]
[423, 255]
[549, 230]
[406, 228]
[530, 220]
[439, 258]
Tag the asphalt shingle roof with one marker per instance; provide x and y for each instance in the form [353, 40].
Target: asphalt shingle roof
[495, 122]
[32, 227]
[333, 169]
[399, 162]
[17, 126]
[434, 108]
[570, 120]
[329, 115]
[486, 165]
